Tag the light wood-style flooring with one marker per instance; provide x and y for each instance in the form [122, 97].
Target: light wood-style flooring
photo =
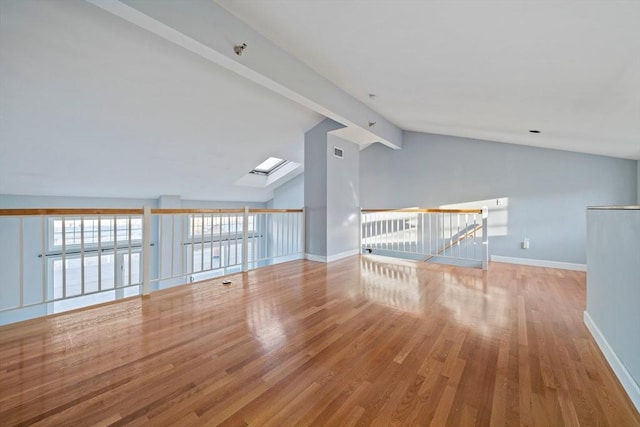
[360, 341]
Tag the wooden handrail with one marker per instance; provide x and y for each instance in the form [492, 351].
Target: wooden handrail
[424, 210]
[67, 211]
[275, 210]
[109, 211]
[222, 210]
[186, 211]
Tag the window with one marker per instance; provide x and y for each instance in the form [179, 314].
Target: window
[207, 226]
[269, 166]
[89, 256]
[106, 231]
[104, 271]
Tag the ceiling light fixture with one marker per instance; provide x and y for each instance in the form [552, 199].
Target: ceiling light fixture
[238, 49]
[372, 124]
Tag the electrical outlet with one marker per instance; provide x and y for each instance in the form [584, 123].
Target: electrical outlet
[525, 243]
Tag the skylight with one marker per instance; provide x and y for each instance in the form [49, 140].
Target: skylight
[268, 166]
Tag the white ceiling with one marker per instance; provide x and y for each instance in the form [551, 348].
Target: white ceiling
[91, 105]
[482, 69]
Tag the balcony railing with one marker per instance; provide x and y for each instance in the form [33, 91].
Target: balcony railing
[456, 236]
[53, 260]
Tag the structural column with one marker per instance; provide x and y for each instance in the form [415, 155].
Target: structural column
[331, 193]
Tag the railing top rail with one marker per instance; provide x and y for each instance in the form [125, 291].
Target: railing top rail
[275, 210]
[68, 212]
[186, 211]
[424, 210]
[222, 210]
[110, 211]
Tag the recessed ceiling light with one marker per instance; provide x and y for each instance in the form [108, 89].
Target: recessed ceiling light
[534, 131]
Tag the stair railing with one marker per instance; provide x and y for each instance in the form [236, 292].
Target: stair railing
[426, 234]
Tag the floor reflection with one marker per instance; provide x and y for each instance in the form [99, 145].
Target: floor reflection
[263, 320]
[460, 293]
[396, 285]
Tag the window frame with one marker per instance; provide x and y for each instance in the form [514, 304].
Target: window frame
[268, 171]
[92, 244]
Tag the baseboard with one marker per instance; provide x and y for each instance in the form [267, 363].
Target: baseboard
[539, 263]
[630, 386]
[343, 255]
[331, 258]
[317, 258]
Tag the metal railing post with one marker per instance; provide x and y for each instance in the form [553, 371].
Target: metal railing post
[146, 251]
[485, 238]
[245, 240]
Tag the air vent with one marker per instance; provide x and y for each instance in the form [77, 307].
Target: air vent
[337, 151]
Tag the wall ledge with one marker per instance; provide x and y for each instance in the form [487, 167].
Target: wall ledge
[539, 263]
[630, 386]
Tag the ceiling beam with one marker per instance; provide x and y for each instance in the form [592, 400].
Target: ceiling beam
[208, 30]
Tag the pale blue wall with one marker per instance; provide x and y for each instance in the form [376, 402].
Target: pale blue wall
[209, 204]
[315, 186]
[9, 244]
[11, 201]
[33, 276]
[343, 197]
[613, 284]
[331, 192]
[548, 190]
[289, 195]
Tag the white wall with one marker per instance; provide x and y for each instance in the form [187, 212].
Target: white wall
[547, 190]
[613, 291]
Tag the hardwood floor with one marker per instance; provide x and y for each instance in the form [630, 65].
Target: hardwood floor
[361, 341]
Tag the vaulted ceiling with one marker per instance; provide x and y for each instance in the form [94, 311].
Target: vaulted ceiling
[483, 69]
[92, 105]
[94, 102]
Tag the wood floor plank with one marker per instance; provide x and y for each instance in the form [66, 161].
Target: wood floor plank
[360, 341]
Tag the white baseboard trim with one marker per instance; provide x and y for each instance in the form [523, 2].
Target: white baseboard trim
[343, 255]
[630, 386]
[539, 263]
[317, 258]
[331, 258]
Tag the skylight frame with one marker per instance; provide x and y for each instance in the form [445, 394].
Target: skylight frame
[269, 166]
